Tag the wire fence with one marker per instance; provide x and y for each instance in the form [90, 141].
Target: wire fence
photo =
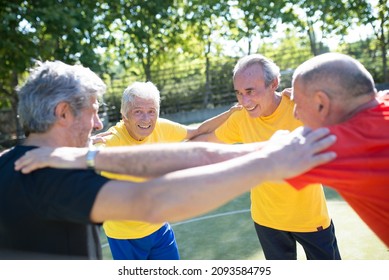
[184, 88]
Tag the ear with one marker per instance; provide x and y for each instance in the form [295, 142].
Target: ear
[63, 113]
[274, 84]
[322, 103]
[124, 118]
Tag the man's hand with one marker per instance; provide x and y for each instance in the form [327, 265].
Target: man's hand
[383, 93]
[48, 157]
[99, 138]
[235, 107]
[298, 151]
[287, 92]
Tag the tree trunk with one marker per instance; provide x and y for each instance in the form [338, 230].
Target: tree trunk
[20, 134]
[249, 45]
[207, 92]
[383, 49]
[312, 39]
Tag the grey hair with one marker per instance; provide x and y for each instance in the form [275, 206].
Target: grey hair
[270, 70]
[336, 74]
[51, 83]
[144, 90]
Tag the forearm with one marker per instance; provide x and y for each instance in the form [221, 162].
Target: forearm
[183, 194]
[143, 160]
[186, 193]
[208, 127]
[156, 160]
[212, 124]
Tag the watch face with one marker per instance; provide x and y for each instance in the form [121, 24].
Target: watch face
[90, 157]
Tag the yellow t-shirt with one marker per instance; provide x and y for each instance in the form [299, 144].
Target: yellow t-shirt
[164, 131]
[277, 205]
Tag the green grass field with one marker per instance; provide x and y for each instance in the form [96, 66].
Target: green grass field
[228, 234]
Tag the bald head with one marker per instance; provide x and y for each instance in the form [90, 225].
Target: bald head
[331, 88]
[336, 74]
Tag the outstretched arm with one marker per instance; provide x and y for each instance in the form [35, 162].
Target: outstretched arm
[144, 160]
[186, 193]
[154, 160]
[210, 125]
[99, 138]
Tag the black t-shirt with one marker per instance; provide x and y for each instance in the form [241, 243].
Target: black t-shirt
[45, 214]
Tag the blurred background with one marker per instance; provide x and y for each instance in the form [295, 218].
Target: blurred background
[186, 47]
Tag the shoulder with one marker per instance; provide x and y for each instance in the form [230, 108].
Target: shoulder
[117, 128]
[119, 133]
[285, 99]
[68, 181]
[165, 123]
[238, 116]
[162, 121]
[15, 152]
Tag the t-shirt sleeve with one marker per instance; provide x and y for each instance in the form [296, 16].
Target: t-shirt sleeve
[112, 140]
[64, 194]
[351, 150]
[228, 132]
[172, 131]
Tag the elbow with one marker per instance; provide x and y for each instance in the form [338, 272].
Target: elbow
[151, 208]
[161, 208]
[155, 217]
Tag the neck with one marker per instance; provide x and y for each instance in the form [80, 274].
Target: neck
[54, 137]
[41, 139]
[274, 105]
[363, 103]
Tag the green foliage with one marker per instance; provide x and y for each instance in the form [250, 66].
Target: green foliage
[44, 30]
[138, 38]
[256, 20]
[182, 84]
[369, 54]
[378, 18]
[141, 32]
[323, 19]
[288, 53]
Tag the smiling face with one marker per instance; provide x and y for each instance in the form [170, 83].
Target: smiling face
[252, 94]
[141, 118]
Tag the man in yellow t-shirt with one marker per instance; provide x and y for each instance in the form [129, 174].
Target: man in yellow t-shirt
[282, 215]
[140, 125]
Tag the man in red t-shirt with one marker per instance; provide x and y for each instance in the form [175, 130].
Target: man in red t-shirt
[337, 91]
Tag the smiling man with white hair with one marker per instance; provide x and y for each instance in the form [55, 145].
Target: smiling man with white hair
[140, 125]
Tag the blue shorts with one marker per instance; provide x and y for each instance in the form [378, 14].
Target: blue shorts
[281, 245]
[160, 245]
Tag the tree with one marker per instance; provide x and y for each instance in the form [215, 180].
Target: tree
[256, 19]
[378, 17]
[205, 22]
[320, 19]
[43, 30]
[142, 31]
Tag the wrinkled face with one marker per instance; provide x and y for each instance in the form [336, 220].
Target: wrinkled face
[87, 121]
[141, 118]
[305, 108]
[252, 93]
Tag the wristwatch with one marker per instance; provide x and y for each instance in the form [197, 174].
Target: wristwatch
[90, 157]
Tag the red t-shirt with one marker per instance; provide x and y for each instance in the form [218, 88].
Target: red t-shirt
[360, 173]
